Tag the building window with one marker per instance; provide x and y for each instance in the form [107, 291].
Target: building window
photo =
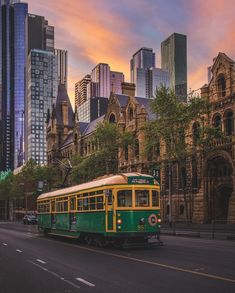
[137, 149]
[217, 121]
[229, 123]
[221, 86]
[181, 209]
[196, 133]
[112, 118]
[131, 115]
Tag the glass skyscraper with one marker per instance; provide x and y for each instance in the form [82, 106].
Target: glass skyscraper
[145, 75]
[143, 59]
[13, 33]
[42, 87]
[174, 60]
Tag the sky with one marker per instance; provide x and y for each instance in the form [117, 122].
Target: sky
[111, 31]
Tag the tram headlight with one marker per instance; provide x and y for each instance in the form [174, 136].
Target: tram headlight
[119, 227]
[119, 221]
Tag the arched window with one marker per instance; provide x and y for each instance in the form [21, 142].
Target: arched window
[112, 118]
[221, 86]
[196, 133]
[137, 149]
[131, 115]
[229, 124]
[217, 121]
[181, 209]
[194, 172]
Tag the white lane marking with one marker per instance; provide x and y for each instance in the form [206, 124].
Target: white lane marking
[55, 275]
[41, 261]
[5, 244]
[85, 282]
[18, 250]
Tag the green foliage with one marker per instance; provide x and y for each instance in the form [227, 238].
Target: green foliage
[109, 140]
[173, 122]
[27, 180]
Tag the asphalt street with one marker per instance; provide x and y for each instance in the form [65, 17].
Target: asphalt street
[29, 262]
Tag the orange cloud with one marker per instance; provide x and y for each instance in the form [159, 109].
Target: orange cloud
[96, 31]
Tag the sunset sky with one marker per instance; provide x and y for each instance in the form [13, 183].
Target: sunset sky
[111, 31]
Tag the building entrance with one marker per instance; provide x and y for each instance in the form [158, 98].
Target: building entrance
[219, 187]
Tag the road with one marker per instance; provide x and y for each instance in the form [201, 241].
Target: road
[29, 262]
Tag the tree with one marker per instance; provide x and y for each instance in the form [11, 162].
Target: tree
[108, 141]
[172, 129]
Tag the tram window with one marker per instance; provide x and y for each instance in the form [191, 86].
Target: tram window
[80, 204]
[142, 198]
[100, 204]
[124, 198]
[72, 203]
[109, 196]
[85, 204]
[65, 206]
[155, 198]
[92, 203]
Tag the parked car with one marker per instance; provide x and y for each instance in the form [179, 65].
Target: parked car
[30, 219]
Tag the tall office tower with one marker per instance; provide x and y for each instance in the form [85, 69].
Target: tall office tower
[13, 35]
[116, 79]
[100, 76]
[143, 59]
[40, 33]
[174, 59]
[82, 90]
[62, 64]
[42, 86]
[155, 78]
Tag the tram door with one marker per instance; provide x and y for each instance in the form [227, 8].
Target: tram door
[110, 212]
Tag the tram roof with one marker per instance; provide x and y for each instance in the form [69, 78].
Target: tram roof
[99, 182]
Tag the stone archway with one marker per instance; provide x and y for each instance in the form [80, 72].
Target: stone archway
[219, 187]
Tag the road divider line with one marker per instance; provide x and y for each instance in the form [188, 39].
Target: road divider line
[18, 250]
[55, 275]
[41, 261]
[179, 269]
[5, 244]
[85, 282]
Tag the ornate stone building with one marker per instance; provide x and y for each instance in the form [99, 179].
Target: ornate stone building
[210, 177]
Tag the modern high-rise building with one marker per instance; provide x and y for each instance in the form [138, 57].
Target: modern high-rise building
[13, 39]
[145, 75]
[116, 80]
[100, 76]
[174, 60]
[155, 78]
[42, 87]
[143, 59]
[40, 33]
[82, 90]
[92, 109]
[62, 64]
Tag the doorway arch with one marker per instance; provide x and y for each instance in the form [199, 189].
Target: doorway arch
[218, 186]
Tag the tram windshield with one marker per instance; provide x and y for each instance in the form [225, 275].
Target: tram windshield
[124, 198]
[142, 198]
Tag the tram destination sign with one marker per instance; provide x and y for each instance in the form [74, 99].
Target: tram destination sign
[140, 180]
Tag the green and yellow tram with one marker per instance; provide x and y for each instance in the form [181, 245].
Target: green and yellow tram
[122, 209]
